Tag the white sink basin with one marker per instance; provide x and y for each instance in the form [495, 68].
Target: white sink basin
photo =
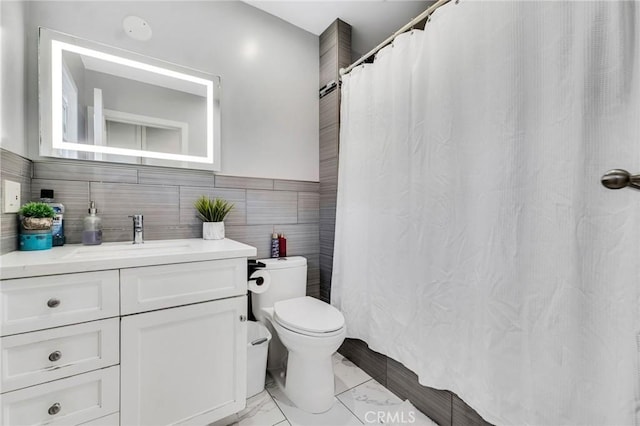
[150, 248]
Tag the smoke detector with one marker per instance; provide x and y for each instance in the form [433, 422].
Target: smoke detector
[136, 28]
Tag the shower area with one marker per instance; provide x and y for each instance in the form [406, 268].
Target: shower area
[475, 246]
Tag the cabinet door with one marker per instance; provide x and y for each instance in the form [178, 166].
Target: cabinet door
[184, 365]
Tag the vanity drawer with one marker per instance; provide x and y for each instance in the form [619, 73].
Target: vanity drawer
[67, 401]
[51, 301]
[42, 356]
[110, 420]
[156, 287]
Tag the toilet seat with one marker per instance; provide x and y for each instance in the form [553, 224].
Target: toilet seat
[308, 316]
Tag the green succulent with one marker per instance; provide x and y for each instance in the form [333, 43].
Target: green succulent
[212, 210]
[36, 209]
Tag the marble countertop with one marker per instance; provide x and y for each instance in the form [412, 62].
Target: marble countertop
[72, 258]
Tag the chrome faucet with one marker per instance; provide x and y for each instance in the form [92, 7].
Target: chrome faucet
[138, 229]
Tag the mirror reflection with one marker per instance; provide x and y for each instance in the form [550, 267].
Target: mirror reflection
[112, 105]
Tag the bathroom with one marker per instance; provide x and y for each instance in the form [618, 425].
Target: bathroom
[278, 165]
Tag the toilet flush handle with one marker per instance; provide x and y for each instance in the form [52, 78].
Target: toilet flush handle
[258, 341]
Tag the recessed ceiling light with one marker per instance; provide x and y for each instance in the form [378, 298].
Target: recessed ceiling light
[137, 28]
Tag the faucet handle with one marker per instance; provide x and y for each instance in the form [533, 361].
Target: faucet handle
[137, 220]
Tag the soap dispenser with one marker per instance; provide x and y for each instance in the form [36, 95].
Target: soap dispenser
[92, 227]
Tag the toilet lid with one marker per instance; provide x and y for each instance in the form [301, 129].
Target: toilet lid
[307, 314]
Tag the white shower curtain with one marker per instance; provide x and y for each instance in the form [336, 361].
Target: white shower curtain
[474, 241]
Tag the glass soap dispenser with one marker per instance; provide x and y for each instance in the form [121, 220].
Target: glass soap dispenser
[92, 227]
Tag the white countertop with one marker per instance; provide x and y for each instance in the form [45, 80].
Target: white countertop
[72, 258]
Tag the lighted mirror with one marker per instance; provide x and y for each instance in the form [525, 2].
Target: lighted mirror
[106, 104]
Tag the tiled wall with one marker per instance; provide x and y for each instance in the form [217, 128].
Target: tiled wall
[165, 197]
[18, 169]
[335, 53]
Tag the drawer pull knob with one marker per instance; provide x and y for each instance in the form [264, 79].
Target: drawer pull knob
[53, 303]
[55, 356]
[55, 409]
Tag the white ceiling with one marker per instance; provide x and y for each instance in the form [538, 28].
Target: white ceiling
[372, 21]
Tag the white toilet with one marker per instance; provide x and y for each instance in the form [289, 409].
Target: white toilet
[306, 332]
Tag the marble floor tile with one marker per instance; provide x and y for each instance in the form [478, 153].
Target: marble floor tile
[261, 410]
[338, 415]
[284, 423]
[347, 374]
[371, 402]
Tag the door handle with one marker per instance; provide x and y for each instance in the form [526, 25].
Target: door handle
[618, 179]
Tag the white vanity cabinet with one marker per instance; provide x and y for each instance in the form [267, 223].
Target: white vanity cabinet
[122, 341]
[184, 364]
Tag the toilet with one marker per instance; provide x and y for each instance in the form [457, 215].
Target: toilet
[306, 333]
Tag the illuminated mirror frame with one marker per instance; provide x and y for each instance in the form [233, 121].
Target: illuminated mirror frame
[51, 46]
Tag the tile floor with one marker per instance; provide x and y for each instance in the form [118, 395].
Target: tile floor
[358, 400]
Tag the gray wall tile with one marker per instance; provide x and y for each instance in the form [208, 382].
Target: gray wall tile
[75, 197]
[14, 164]
[373, 363]
[264, 207]
[158, 176]
[302, 239]
[258, 236]
[434, 403]
[329, 141]
[117, 201]
[329, 170]
[243, 182]
[308, 207]
[189, 194]
[328, 66]
[463, 415]
[295, 185]
[17, 169]
[329, 109]
[313, 275]
[92, 172]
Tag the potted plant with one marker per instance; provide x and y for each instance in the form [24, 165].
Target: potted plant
[36, 216]
[212, 213]
[36, 220]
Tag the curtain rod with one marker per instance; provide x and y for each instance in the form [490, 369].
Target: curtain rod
[390, 39]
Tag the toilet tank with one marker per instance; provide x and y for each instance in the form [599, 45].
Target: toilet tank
[288, 280]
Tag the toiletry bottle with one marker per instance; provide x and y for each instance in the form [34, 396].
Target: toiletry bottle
[282, 243]
[275, 246]
[57, 230]
[92, 227]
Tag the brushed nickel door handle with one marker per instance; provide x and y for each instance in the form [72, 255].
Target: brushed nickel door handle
[619, 178]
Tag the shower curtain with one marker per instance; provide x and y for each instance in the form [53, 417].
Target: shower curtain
[474, 242]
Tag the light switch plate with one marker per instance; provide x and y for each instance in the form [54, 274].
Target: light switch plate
[11, 196]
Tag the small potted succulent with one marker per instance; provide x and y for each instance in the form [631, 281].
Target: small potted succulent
[212, 213]
[36, 220]
[36, 216]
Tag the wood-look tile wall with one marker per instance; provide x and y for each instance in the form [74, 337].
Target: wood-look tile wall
[165, 197]
[18, 169]
[335, 53]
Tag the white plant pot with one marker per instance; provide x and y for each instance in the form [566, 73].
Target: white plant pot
[212, 230]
